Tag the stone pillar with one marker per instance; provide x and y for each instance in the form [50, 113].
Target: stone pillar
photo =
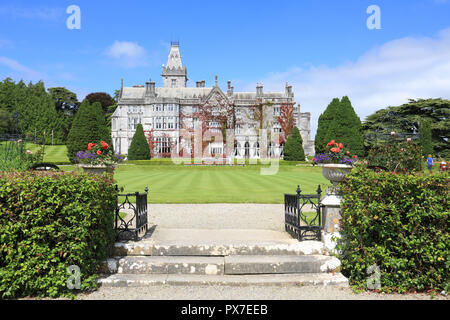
[331, 211]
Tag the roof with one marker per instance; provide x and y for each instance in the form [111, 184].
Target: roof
[137, 93]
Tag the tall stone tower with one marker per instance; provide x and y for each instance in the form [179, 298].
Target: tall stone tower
[174, 75]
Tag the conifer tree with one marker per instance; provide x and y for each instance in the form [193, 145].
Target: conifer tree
[139, 149]
[340, 122]
[88, 127]
[425, 137]
[293, 149]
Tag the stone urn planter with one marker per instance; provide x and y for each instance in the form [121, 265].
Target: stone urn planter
[97, 169]
[336, 173]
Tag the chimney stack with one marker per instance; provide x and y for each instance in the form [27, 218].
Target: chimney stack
[259, 90]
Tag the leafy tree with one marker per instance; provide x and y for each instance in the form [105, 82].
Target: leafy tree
[5, 121]
[66, 104]
[139, 149]
[35, 109]
[88, 126]
[103, 98]
[425, 137]
[293, 149]
[407, 118]
[286, 121]
[65, 100]
[341, 123]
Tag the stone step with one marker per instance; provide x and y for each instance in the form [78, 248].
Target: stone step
[209, 248]
[231, 265]
[167, 265]
[280, 264]
[285, 280]
[217, 242]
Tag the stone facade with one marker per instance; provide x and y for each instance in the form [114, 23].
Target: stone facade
[167, 110]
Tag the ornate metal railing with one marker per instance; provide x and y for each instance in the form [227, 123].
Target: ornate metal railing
[303, 216]
[131, 223]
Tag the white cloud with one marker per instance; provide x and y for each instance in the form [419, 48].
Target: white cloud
[17, 70]
[41, 13]
[388, 75]
[127, 54]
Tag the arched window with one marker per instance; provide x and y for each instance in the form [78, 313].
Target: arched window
[247, 149]
[256, 146]
[237, 146]
[270, 149]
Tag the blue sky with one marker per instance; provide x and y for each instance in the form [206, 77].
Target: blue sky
[323, 48]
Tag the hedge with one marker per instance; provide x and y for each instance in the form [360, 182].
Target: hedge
[400, 223]
[48, 222]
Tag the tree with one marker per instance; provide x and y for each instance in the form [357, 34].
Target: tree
[323, 128]
[35, 109]
[88, 127]
[103, 98]
[407, 117]
[66, 104]
[293, 149]
[65, 100]
[426, 137]
[5, 121]
[341, 123]
[139, 149]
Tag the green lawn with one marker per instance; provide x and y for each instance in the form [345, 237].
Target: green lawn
[52, 153]
[181, 184]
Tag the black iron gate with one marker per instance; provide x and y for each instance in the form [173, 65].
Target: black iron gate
[131, 218]
[303, 216]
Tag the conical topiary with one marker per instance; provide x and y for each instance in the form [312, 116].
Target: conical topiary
[293, 149]
[139, 149]
[88, 127]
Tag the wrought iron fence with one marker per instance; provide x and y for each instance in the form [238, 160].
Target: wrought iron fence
[131, 217]
[303, 216]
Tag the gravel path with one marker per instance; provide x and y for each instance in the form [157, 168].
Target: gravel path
[218, 216]
[244, 293]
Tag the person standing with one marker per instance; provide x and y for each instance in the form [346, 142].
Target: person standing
[430, 163]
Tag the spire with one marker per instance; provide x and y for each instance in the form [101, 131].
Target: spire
[174, 61]
[174, 74]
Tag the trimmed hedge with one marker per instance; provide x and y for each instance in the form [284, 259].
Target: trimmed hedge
[399, 223]
[48, 222]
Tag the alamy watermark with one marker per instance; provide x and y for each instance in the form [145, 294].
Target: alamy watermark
[210, 148]
[74, 20]
[74, 281]
[374, 20]
[373, 282]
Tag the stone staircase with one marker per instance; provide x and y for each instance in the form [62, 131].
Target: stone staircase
[220, 257]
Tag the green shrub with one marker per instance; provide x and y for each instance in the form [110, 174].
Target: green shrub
[293, 149]
[426, 138]
[139, 149]
[89, 126]
[399, 223]
[48, 222]
[340, 122]
[397, 155]
[13, 156]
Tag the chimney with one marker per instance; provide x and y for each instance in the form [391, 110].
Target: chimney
[288, 90]
[147, 87]
[121, 88]
[198, 84]
[230, 89]
[259, 90]
[152, 90]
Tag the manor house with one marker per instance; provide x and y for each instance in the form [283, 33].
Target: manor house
[165, 111]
